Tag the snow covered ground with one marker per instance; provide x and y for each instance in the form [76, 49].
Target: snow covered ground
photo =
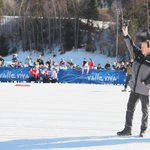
[66, 117]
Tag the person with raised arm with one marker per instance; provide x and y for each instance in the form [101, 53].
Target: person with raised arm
[139, 83]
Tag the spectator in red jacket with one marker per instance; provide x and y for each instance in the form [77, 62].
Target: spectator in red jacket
[91, 64]
[35, 74]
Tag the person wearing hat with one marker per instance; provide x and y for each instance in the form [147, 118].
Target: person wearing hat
[139, 84]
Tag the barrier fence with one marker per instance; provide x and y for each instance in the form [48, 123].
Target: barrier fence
[9, 74]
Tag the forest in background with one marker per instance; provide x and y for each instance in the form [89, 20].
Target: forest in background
[43, 25]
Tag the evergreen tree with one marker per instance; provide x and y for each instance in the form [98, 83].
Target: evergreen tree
[68, 40]
[3, 46]
[92, 10]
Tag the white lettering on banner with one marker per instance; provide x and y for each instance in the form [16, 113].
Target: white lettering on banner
[110, 78]
[98, 77]
[10, 75]
[2, 75]
[23, 76]
[7, 74]
[95, 77]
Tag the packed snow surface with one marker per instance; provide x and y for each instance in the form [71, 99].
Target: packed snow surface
[66, 117]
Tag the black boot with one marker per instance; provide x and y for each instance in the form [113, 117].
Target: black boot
[142, 133]
[125, 132]
[124, 90]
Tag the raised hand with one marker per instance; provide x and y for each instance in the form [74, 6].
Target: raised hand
[125, 30]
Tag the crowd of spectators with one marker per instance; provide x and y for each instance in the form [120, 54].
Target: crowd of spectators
[49, 68]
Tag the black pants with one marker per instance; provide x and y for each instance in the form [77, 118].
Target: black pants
[34, 78]
[133, 99]
[46, 79]
[127, 81]
[53, 80]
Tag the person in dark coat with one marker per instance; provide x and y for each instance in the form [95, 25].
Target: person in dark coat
[129, 72]
[139, 84]
[40, 60]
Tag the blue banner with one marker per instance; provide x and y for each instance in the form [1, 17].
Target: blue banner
[8, 74]
[94, 76]
[14, 74]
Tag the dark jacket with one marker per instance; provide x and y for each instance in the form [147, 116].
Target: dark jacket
[140, 81]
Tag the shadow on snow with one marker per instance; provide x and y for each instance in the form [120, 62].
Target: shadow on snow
[70, 142]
